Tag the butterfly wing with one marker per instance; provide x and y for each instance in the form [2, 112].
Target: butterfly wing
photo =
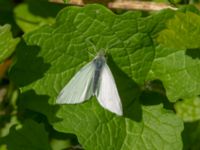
[107, 93]
[79, 87]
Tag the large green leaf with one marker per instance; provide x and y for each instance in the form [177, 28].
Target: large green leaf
[177, 57]
[59, 51]
[7, 42]
[98, 130]
[131, 45]
[151, 127]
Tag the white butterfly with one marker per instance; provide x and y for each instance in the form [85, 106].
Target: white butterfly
[94, 79]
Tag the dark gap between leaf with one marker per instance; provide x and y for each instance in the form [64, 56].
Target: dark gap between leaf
[190, 135]
[194, 53]
[154, 93]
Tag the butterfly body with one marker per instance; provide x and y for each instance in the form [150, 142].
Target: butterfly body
[99, 62]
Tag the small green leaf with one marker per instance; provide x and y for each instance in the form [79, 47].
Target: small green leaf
[31, 136]
[58, 144]
[31, 15]
[189, 109]
[182, 31]
[7, 125]
[7, 42]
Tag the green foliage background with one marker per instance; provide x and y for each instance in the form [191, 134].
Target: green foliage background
[154, 57]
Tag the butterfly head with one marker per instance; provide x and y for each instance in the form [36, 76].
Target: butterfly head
[101, 53]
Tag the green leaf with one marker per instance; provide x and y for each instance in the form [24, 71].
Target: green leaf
[31, 136]
[189, 109]
[176, 61]
[178, 71]
[31, 15]
[7, 42]
[59, 144]
[59, 51]
[98, 130]
[5, 126]
[182, 31]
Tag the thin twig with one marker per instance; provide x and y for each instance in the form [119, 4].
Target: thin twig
[71, 2]
[127, 5]
[4, 67]
[140, 5]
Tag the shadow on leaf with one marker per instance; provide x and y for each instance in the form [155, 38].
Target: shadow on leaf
[40, 8]
[28, 66]
[154, 93]
[38, 103]
[191, 135]
[194, 53]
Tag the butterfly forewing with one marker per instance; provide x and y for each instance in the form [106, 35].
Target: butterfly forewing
[79, 87]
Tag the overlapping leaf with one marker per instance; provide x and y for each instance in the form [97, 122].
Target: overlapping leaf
[7, 42]
[182, 31]
[189, 109]
[31, 15]
[177, 57]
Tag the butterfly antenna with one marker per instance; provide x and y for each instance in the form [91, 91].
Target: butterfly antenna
[91, 54]
[93, 46]
[109, 46]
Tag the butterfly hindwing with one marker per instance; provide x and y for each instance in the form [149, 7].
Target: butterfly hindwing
[107, 93]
